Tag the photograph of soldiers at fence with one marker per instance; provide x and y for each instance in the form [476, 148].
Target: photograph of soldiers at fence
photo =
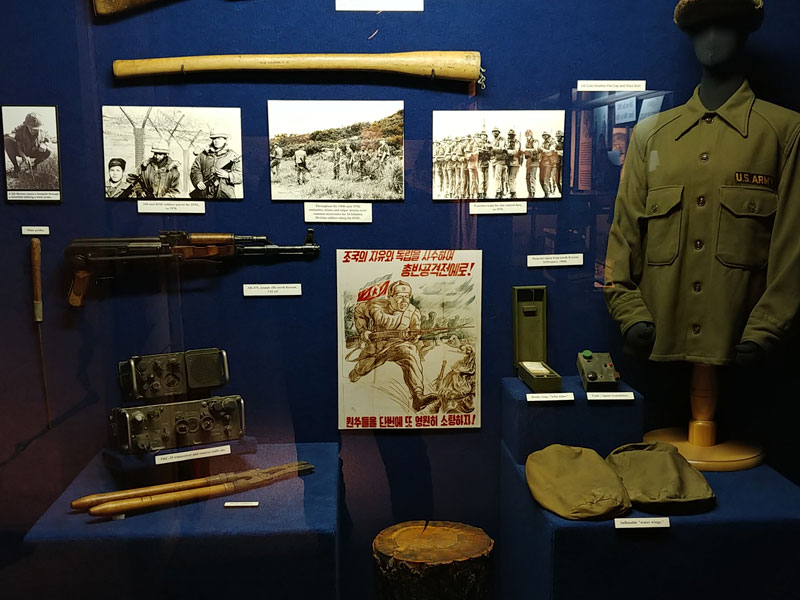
[336, 149]
[30, 144]
[172, 152]
[497, 154]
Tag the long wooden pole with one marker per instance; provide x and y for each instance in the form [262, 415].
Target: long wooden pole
[457, 65]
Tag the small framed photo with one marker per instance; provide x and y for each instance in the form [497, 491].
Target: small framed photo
[172, 152]
[336, 149]
[497, 154]
[30, 144]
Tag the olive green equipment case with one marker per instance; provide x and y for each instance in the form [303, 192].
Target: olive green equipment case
[529, 314]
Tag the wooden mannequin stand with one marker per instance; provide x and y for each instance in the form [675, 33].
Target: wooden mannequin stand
[432, 560]
[700, 447]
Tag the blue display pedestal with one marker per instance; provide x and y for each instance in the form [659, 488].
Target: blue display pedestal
[285, 548]
[600, 425]
[745, 548]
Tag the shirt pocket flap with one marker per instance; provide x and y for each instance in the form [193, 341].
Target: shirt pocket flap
[749, 202]
[661, 201]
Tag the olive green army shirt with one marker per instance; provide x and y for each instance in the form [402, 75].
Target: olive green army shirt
[705, 241]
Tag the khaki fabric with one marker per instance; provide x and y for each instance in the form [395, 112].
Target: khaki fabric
[658, 479]
[575, 483]
[704, 242]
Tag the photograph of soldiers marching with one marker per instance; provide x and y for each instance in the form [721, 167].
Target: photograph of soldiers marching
[336, 149]
[497, 154]
[172, 152]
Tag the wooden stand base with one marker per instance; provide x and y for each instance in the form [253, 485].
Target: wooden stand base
[725, 456]
[432, 560]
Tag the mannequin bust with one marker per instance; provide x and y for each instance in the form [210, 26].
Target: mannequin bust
[703, 254]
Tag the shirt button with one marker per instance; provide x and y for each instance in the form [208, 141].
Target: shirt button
[698, 244]
[697, 286]
[704, 157]
[752, 207]
[701, 201]
[696, 329]
[708, 118]
[654, 208]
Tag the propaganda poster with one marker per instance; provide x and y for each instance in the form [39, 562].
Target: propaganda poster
[409, 338]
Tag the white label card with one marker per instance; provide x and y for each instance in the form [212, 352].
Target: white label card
[498, 208]
[35, 230]
[272, 289]
[641, 523]
[609, 395]
[612, 85]
[241, 505]
[34, 195]
[165, 459]
[551, 397]
[388, 5]
[337, 212]
[555, 260]
[189, 207]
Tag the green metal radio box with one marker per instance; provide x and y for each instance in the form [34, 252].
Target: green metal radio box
[529, 322]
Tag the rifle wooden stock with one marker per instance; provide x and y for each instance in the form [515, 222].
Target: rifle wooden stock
[457, 65]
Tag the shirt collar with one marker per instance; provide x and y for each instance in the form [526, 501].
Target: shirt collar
[735, 112]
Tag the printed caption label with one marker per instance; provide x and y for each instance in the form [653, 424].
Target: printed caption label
[498, 208]
[165, 459]
[337, 212]
[612, 85]
[553, 397]
[183, 207]
[609, 395]
[272, 289]
[641, 523]
[379, 5]
[241, 505]
[34, 195]
[555, 260]
[35, 230]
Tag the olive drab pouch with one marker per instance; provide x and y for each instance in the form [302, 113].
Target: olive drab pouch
[575, 483]
[659, 480]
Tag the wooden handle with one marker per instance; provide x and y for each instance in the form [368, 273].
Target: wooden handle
[94, 499]
[458, 65]
[36, 274]
[119, 507]
[112, 7]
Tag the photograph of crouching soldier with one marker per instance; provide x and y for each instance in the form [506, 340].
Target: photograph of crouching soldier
[173, 152]
[497, 155]
[336, 149]
[30, 143]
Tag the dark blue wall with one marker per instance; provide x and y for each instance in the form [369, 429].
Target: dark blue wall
[283, 351]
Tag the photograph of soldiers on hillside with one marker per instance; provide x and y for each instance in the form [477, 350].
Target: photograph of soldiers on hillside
[336, 149]
[172, 152]
[497, 154]
[30, 144]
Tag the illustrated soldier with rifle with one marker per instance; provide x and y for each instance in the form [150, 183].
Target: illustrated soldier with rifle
[216, 170]
[389, 331]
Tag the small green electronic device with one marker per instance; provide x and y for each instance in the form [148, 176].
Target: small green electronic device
[529, 306]
[597, 371]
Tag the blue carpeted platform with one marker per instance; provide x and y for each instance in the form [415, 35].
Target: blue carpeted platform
[285, 548]
[602, 425]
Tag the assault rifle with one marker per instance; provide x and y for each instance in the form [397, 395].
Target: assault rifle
[86, 256]
[399, 334]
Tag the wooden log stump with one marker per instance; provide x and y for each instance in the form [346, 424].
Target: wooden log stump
[432, 560]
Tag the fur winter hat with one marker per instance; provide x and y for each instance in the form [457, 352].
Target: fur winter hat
[689, 13]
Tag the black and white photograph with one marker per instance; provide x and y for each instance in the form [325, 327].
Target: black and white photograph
[497, 154]
[336, 149]
[172, 152]
[30, 141]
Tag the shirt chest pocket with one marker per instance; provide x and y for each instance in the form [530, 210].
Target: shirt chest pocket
[662, 219]
[746, 217]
